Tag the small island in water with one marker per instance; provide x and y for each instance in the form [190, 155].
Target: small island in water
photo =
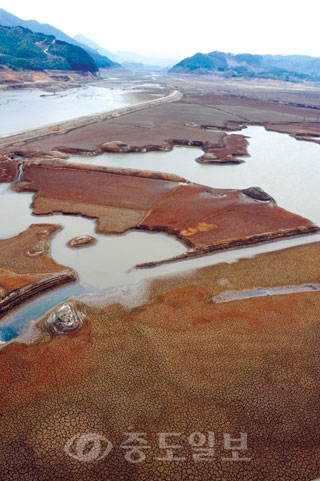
[207, 373]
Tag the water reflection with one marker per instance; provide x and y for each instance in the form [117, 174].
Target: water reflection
[288, 169]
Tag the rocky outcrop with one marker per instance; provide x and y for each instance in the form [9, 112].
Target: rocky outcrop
[258, 194]
[65, 318]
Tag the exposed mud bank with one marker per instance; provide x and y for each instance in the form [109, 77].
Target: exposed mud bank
[26, 268]
[204, 218]
[180, 364]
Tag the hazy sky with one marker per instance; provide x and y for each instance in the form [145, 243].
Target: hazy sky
[180, 28]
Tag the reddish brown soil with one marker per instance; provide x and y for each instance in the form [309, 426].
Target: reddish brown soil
[302, 131]
[54, 80]
[204, 218]
[26, 267]
[227, 150]
[207, 105]
[8, 170]
[90, 185]
[178, 364]
[211, 219]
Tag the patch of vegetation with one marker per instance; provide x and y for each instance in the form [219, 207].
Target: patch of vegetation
[20, 48]
[76, 56]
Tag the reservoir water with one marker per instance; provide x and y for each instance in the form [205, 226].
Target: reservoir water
[287, 169]
[27, 109]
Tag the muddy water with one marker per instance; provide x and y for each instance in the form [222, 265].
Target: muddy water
[27, 109]
[108, 263]
[287, 169]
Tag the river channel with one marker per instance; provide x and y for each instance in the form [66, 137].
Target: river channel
[287, 169]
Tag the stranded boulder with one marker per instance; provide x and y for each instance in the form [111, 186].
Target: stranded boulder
[65, 319]
[82, 241]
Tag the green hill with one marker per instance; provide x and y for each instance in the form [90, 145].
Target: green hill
[293, 68]
[9, 20]
[20, 48]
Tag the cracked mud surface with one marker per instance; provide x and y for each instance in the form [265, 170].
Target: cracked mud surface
[177, 363]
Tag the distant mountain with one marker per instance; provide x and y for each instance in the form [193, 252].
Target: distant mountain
[20, 48]
[133, 60]
[145, 58]
[9, 20]
[294, 68]
[83, 40]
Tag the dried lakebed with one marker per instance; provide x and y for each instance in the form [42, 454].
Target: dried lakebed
[103, 266]
[159, 356]
[178, 364]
